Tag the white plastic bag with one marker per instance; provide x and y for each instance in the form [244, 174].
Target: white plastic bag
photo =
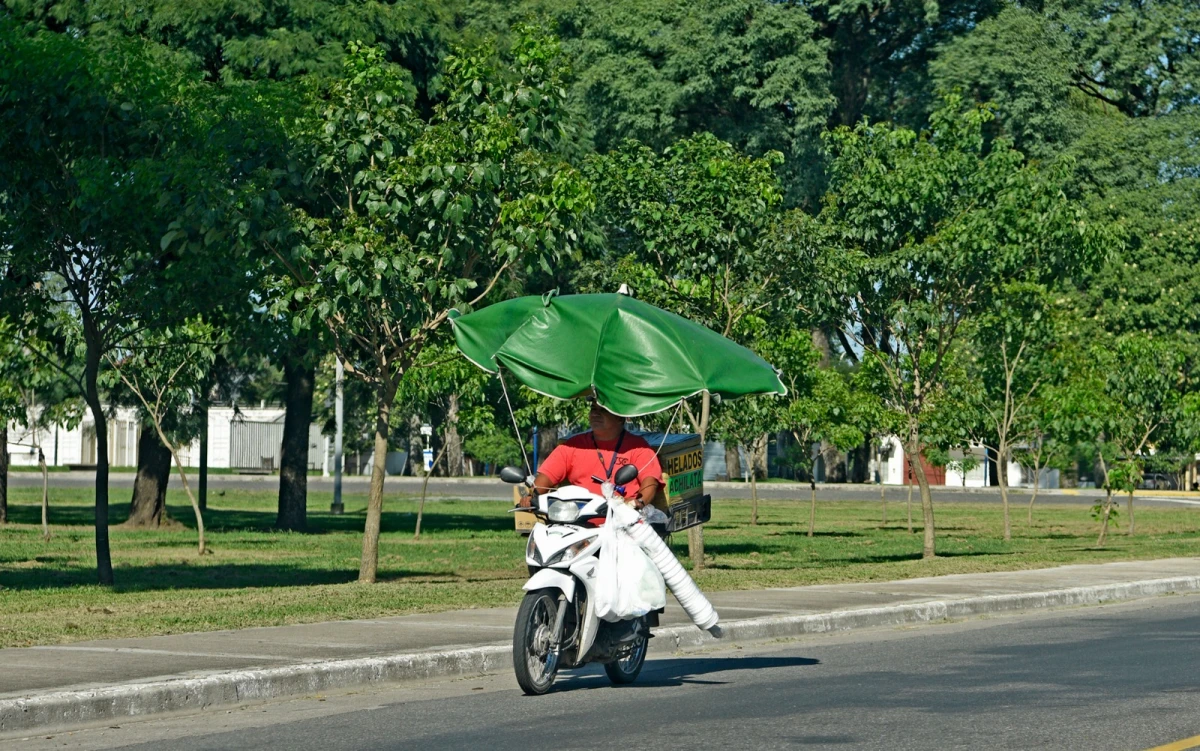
[628, 584]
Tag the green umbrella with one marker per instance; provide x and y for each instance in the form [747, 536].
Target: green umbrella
[637, 358]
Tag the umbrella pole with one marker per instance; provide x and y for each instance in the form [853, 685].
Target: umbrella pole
[696, 533]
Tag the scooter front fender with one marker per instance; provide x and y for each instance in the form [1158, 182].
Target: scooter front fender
[548, 577]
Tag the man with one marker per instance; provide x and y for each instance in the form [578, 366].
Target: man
[590, 458]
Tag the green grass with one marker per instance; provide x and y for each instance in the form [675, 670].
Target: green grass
[469, 556]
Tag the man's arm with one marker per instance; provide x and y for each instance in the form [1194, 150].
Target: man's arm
[646, 492]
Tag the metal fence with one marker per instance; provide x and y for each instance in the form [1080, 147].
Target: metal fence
[255, 445]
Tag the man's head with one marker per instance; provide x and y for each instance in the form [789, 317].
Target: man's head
[605, 425]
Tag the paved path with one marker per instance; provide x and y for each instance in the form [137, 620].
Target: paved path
[165, 672]
[475, 488]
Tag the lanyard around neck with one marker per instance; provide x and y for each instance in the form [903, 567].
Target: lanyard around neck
[611, 465]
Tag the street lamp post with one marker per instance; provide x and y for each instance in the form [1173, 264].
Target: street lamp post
[337, 507]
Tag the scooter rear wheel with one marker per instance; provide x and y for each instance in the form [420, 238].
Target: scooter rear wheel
[533, 662]
[626, 669]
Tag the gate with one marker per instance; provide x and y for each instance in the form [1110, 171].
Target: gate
[255, 445]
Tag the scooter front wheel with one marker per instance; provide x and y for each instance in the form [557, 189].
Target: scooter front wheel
[533, 661]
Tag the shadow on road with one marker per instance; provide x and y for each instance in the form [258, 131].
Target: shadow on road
[679, 671]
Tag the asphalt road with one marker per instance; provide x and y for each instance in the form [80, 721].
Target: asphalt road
[1118, 677]
[493, 489]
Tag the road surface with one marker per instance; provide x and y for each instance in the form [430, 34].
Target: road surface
[492, 489]
[1107, 678]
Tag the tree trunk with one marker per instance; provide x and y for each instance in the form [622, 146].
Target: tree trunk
[1033, 496]
[753, 498]
[369, 566]
[416, 447]
[1104, 517]
[883, 500]
[1002, 476]
[1132, 526]
[758, 453]
[292, 510]
[452, 441]
[918, 469]
[45, 495]
[733, 462]
[812, 507]
[147, 507]
[104, 570]
[908, 503]
[174, 452]
[4, 473]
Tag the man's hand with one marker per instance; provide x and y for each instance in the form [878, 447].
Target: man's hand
[526, 500]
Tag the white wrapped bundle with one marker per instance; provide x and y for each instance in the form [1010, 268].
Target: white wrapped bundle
[697, 606]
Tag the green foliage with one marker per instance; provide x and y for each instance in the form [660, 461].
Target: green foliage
[495, 448]
[932, 227]
[258, 38]
[167, 371]
[751, 73]
[428, 214]
[695, 218]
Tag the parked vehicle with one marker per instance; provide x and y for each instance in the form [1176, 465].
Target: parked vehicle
[1159, 481]
[557, 626]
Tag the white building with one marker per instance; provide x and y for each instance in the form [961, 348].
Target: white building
[249, 439]
[979, 476]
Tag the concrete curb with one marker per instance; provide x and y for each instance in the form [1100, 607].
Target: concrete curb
[82, 706]
[775, 627]
[69, 708]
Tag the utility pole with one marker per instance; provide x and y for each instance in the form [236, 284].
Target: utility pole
[337, 506]
[202, 485]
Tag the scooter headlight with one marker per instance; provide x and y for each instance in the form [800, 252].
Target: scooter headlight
[531, 551]
[568, 554]
[563, 511]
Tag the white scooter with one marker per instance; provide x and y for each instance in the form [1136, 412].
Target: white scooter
[557, 626]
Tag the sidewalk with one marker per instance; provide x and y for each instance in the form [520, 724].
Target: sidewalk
[57, 686]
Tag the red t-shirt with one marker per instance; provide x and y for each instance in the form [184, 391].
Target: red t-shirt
[575, 461]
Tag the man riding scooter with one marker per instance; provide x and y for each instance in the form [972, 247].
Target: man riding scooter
[591, 458]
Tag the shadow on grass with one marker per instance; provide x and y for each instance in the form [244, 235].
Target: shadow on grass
[238, 520]
[916, 556]
[199, 576]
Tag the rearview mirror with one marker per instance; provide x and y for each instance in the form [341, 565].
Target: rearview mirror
[625, 475]
[512, 475]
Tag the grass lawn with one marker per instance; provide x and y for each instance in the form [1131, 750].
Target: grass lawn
[469, 556]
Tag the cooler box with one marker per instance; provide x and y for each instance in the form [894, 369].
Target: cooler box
[683, 499]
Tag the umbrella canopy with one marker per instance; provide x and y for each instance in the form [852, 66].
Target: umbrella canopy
[637, 358]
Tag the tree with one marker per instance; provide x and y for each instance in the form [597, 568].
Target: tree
[82, 253]
[443, 380]
[689, 232]
[746, 422]
[166, 371]
[262, 39]
[1014, 344]
[1145, 383]
[12, 405]
[820, 406]
[929, 226]
[752, 74]
[880, 52]
[422, 215]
